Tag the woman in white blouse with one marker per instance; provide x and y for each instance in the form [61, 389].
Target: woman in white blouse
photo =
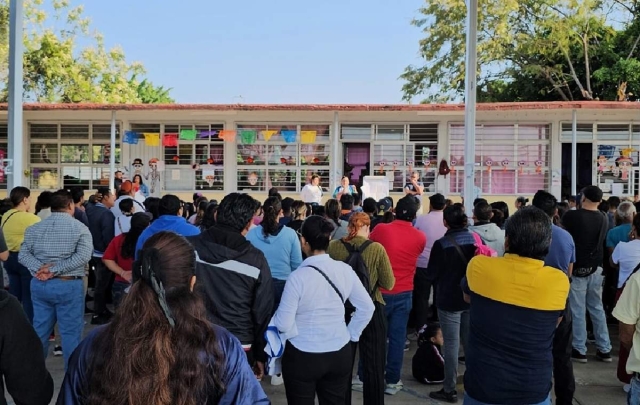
[312, 192]
[318, 359]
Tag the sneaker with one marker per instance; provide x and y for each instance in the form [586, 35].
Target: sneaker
[407, 343]
[100, 319]
[57, 351]
[451, 397]
[576, 356]
[356, 384]
[462, 360]
[277, 379]
[52, 338]
[606, 357]
[393, 389]
[626, 388]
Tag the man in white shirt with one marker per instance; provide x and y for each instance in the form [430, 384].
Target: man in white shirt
[432, 225]
[627, 311]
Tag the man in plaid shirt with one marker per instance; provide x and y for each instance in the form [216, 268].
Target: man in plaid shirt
[56, 252]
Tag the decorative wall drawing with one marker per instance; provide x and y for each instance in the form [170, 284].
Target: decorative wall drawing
[137, 166]
[154, 177]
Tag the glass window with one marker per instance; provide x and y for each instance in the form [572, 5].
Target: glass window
[358, 132]
[74, 154]
[613, 132]
[274, 154]
[67, 155]
[584, 132]
[507, 161]
[390, 132]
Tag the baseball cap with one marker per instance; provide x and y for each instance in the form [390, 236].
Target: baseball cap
[384, 205]
[407, 208]
[126, 186]
[437, 199]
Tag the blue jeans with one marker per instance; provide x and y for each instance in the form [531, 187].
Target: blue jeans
[397, 309]
[20, 283]
[586, 292]
[633, 397]
[60, 301]
[118, 292]
[454, 325]
[470, 401]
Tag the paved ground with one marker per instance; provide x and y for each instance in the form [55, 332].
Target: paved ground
[596, 382]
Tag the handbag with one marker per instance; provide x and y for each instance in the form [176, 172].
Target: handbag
[587, 271]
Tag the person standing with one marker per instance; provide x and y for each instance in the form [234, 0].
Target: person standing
[448, 263]
[77, 193]
[490, 233]
[170, 219]
[373, 340]
[562, 255]
[160, 348]
[101, 225]
[14, 223]
[117, 182]
[312, 192]
[588, 227]
[627, 311]
[280, 245]
[318, 360]
[403, 244]
[22, 368]
[432, 226]
[516, 303]
[120, 254]
[414, 187]
[56, 251]
[234, 278]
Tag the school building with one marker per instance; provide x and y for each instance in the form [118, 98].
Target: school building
[217, 149]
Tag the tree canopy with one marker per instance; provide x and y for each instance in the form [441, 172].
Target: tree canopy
[530, 50]
[57, 69]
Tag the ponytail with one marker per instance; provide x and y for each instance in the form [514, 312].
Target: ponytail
[271, 211]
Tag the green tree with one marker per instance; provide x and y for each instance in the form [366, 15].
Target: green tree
[56, 69]
[527, 49]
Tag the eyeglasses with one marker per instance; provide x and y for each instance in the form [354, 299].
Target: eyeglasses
[299, 233]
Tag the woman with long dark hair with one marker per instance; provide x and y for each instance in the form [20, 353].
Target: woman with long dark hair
[209, 216]
[160, 348]
[317, 361]
[373, 341]
[333, 211]
[279, 244]
[120, 253]
[139, 186]
[14, 223]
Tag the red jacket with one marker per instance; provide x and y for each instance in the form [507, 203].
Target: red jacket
[403, 244]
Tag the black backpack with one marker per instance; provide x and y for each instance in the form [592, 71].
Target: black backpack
[356, 261]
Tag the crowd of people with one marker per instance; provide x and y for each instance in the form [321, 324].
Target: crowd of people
[211, 297]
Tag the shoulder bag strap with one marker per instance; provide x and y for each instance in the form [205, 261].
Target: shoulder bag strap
[632, 273]
[458, 248]
[5, 221]
[330, 282]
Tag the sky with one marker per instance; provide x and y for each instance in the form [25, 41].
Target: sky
[275, 51]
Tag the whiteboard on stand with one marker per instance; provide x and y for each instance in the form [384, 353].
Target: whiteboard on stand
[376, 187]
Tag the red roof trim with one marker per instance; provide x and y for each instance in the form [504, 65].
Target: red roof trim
[590, 105]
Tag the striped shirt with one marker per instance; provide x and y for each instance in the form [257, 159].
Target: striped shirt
[59, 240]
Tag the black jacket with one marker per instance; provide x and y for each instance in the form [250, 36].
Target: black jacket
[427, 364]
[235, 282]
[21, 359]
[101, 226]
[448, 268]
